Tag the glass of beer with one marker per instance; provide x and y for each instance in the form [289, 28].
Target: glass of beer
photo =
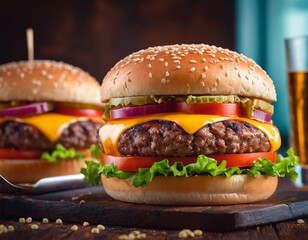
[297, 66]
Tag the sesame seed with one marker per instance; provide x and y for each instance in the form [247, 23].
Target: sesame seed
[198, 232]
[239, 75]
[3, 229]
[29, 220]
[206, 68]
[74, 228]
[43, 72]
[149, 65]
[192, 61]
[166, 64]
[178, 67]
[59, 221]
[161, 59]
[10, 228]
[251, 67]
[203, 60]
[237, 67]
[226, 74]
[34, 226]
[141, 236]
[86, 224]
[203, 75]
[192, 69]
[152, 58]
[82, 202]
[222, 66]
[176, 61]
[100, 227]
[50, 77]
[212, 61]
[45, 220]
[190, 233]
[36, 82]
[150, 75]
[300, 221]
[212, 55]
[8, 73]
[183, 234]
[22, 75]
[163, 80]
[22, 220]
[249, 71]
[131, 236]
[123, 237]
[55, 84]
[167, 73]
[94, 231]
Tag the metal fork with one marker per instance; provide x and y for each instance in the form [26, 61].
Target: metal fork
[44, 185]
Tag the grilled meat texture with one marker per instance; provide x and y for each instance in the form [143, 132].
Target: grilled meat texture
[166, 138]
[23, 136]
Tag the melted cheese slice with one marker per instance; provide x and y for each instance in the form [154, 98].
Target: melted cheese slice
[51, 124]
[110, 133]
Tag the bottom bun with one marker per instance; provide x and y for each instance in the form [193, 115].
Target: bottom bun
[196, 190]
[30, 171]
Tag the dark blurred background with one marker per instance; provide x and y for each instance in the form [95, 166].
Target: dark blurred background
[95, 34]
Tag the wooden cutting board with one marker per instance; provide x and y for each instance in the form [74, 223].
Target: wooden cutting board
[100, 208]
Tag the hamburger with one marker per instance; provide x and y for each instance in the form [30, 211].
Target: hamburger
[188, 125]
[49, 115]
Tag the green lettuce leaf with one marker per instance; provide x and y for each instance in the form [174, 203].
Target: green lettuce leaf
[203, 166]
[61, 153]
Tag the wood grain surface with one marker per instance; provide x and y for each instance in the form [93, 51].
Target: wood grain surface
[290, 230]
[98, 207]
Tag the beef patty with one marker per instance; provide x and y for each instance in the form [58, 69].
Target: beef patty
[166, 138]
[23, 136]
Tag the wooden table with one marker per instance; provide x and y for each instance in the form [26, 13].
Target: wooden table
[283, 230]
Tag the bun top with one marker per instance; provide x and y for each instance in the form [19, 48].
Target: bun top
[43, 80]
[195, 69]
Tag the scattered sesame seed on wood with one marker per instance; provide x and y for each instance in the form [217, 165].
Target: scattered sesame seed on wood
[59, 221]
[34, 226]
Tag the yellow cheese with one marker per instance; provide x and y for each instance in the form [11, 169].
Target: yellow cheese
[51, 124]
[110, 133]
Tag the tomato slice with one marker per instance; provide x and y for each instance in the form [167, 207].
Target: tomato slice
[222, 109]
[129, 163]
[9, 153]
[87, 152]
[80, 112]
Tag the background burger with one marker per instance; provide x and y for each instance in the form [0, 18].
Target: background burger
[49, 116]
[188, 124]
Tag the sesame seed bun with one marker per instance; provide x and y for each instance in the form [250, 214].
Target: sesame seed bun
[43, 80]
[196, 190]
[187, 69]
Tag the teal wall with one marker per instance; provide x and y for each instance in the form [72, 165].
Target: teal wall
[261, 27]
